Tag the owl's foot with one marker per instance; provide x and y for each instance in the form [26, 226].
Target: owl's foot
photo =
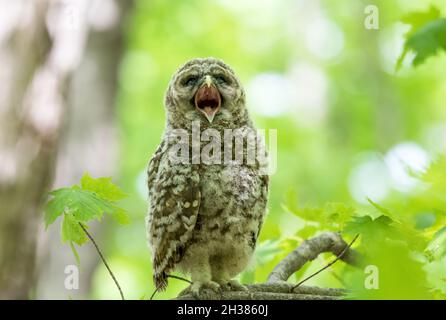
[232, 285]
[198, 286]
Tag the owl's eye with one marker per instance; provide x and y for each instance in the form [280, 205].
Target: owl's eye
[222, 79]
[190, 81]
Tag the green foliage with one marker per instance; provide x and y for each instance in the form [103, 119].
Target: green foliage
[400, 276]
[426, 37]
[418, 19]
[72, 231]
[434, 176]
[367, 109]
[370, 229]
[408, 255]
[81, 204]
[332, 216]
[102, 187]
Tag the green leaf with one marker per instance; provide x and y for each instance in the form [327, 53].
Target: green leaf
[102, 187]
[84, 205]
[336, 214]
[120, 215]
[370, 229]
[358, 225]
[400, 276]
[426, 37]
[428, 40]
[53, 210]
[379, 208]
[435, 175]
[417, 19]
[310, 213]
[96, 197]
[72, 231]
[332, 216]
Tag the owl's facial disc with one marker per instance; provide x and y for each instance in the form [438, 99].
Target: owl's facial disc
[208, 100]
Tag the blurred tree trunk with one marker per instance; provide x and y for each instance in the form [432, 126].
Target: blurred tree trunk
[89, 142]
[42, 42]
[31, 114]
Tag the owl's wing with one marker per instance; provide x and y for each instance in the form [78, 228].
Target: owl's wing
[174, 196]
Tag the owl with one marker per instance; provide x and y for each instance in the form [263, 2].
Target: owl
[205, 215]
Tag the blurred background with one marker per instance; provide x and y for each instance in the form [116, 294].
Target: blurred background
[82, 90]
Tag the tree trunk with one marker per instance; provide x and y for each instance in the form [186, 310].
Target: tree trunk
[35, 69]
[89, 143]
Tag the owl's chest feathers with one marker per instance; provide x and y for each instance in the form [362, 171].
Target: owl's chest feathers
[229, 209]
[226, 188]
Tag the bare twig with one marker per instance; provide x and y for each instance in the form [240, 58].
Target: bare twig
[154, 292]
[339, 256]
[179, 278]
[103, 260]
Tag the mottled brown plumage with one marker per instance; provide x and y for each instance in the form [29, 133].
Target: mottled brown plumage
[204, 217]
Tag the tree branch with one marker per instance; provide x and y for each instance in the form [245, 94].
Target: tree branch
[254, 295]
[308, 251]
[277, 287]
[339, 256]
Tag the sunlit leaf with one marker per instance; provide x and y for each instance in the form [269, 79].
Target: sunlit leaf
[84, 205]
[72, 231]
[418, 19]
[103, 187]
[379, 208]
[426, 37]
[370, 229]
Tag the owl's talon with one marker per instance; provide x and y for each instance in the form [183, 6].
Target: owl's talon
[232, 285]
[197, 287]
[237, 286]
[225, 287]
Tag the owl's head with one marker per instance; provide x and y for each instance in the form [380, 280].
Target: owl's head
[204, 89]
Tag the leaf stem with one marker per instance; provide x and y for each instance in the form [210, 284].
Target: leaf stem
[103, 260]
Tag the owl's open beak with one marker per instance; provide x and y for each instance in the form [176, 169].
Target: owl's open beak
[207, 99]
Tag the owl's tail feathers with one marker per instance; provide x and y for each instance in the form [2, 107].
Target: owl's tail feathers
[160, 280]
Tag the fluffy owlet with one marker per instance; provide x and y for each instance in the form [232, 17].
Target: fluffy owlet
[207, 208]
